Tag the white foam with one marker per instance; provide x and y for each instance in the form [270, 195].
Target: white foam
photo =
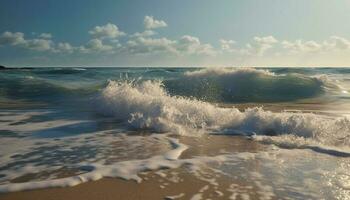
[30, 155]
[197, 196]
[16, 122]
[266, 173]
[177, 151]
[219, 71]
[127, 170]
[146, 105]
[175, 196]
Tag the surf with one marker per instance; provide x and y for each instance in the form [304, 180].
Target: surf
[239, 85]
[147, 105]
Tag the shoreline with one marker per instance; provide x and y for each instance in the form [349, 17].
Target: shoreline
[177, 183]
[154, 186]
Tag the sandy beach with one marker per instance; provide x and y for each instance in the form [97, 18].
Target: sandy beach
[178, 133]
[178, 183]
[110, 189]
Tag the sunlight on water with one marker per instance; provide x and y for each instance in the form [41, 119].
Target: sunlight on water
[66, 126]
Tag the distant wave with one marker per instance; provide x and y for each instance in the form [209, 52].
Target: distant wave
[147, 105]
[247, 85]
[36, 88]
[226, 85]
[63, 70]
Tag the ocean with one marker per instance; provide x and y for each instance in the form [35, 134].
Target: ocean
[283, 133]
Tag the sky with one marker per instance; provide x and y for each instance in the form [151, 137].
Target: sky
[174, 33]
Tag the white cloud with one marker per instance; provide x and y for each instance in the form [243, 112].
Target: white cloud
[300, 46]
[143, 45]
[96, 45]
[105, 40]
[186, 45]
[146, 33]
[107, 31]
[151, 23]
[9, 38]
[192, 45]
[17, 39]
[260, 45]
[38, 44]
[226, 45]
[334, 43]
[338, 43]
[45, 36]
[64, 47]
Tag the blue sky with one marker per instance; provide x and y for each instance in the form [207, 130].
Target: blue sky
[174, 33]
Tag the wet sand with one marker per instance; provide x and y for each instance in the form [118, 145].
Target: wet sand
[111, 189]
[178, 183]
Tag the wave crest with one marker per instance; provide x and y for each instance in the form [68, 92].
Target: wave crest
[147, 105]
[246, 85]
[206, 72]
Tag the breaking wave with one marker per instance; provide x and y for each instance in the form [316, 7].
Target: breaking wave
[147, 105]
[225, 85]
[247, 85]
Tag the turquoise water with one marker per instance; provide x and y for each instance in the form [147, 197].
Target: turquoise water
[54, 119]
[264, 85]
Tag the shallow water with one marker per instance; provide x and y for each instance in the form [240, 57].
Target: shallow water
[66, 126]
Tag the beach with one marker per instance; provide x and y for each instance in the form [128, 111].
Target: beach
[174, 133]
[174, 100]
[163, 184]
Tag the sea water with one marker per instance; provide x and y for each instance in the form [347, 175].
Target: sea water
[66, 126]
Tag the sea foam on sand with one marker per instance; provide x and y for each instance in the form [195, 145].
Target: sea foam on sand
[124, 169]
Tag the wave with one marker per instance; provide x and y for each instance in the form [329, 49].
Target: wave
[225, 85]
[63, 70]
[147, 105]
[247, 85]
[36, 88]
